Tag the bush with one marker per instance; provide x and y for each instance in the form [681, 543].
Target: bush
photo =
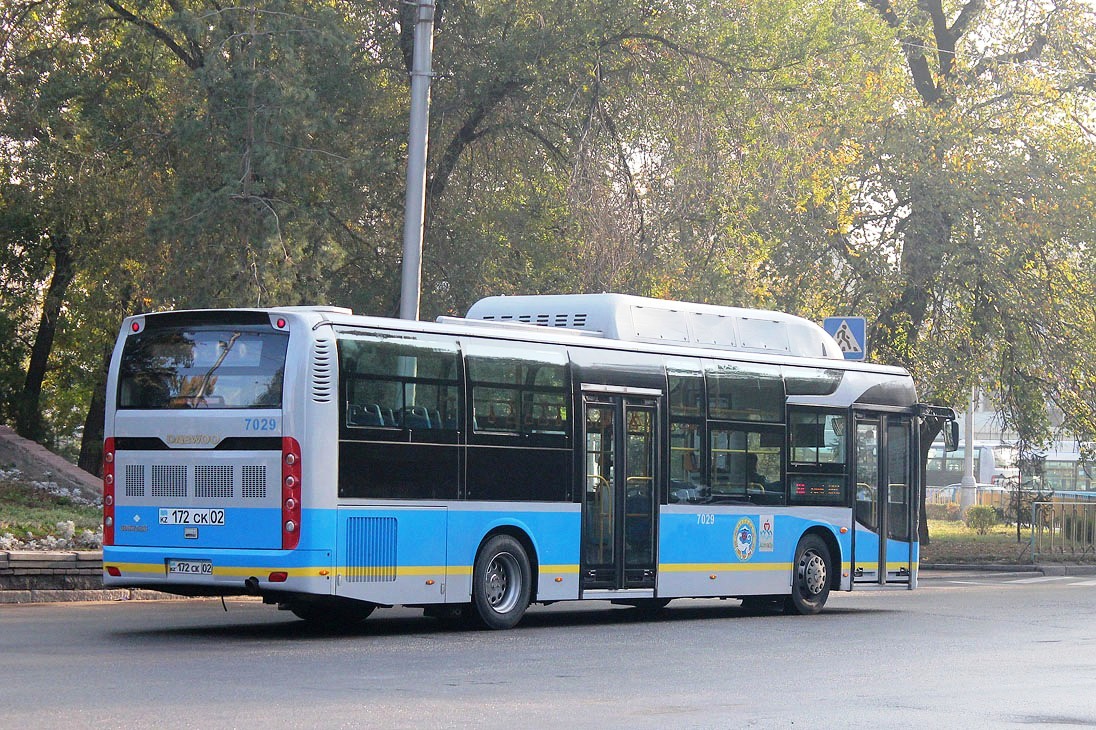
[981, 517]
[948, 511]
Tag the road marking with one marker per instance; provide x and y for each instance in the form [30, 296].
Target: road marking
[1044, 579]
[1084, 583]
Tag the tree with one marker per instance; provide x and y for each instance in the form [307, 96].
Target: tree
[973, 202]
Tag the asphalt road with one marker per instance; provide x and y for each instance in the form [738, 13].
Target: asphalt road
[963, 651]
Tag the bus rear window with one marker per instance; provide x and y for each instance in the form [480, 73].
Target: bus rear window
[203, 367]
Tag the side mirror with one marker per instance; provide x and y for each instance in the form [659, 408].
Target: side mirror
[951, 436]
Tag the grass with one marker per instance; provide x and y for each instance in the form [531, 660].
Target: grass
[954, 542]
[29, 512]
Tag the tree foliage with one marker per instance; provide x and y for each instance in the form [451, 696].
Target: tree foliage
[927, 164]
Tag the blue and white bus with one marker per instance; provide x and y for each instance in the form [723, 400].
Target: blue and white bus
[545, 448]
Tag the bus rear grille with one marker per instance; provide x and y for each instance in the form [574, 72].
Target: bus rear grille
[207, 481]
[371, 549]
[213, 481]
[253, 482]
[168, 481]
[135, 480]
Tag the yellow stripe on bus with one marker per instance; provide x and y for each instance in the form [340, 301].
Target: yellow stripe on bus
[308, 572]
[221, 570]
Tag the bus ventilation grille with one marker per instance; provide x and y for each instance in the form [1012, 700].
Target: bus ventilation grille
[568, 320]
[370, 549]
[168, 481]
[322, 371]
[135, 480]
[213, 481]
[217, 481]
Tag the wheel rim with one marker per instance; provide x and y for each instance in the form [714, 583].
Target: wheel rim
[502, 583]
[812, 573]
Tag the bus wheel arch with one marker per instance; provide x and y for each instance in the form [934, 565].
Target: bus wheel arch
[503, 578]
[813, 573]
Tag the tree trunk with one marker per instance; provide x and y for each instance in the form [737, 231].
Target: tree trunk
[28, 422]
[91, 445]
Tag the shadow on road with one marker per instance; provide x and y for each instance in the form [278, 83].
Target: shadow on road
[254, 623]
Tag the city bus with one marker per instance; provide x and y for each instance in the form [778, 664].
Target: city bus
[541, 449]
[994, 464]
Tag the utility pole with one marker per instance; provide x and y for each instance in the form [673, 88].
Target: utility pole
[415, 202]
[968, 490]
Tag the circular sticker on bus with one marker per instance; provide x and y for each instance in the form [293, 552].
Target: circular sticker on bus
[745, 538]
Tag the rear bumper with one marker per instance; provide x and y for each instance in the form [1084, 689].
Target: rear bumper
[233, 572]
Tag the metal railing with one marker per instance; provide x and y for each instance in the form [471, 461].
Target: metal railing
[1064, 528]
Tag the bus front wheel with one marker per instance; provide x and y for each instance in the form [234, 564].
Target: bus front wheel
[811, 574]
[501, 583]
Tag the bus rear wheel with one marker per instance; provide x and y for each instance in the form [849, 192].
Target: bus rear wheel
[811, 574]
[501, 583]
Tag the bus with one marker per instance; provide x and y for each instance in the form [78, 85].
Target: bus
[1066, 470]
[994, 464]
[541, 449]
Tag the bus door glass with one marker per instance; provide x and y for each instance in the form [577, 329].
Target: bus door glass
[620, 504]
[884, 499]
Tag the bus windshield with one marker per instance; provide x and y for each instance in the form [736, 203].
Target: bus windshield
[203, 367]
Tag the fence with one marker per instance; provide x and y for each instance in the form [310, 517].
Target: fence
[984, 494]
[1064, 528]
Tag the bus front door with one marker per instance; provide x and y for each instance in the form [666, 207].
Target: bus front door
[884, 531]
[620, 503]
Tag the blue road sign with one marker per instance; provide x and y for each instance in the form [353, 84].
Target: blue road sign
[851, 335]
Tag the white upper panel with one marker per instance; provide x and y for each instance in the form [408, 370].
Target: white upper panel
[639, 319]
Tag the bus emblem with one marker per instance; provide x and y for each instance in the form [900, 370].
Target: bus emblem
[744, 538]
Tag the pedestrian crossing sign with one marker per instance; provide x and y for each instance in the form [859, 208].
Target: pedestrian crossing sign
[851, 335]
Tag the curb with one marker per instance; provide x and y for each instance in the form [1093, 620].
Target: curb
[28, 576]
[74, 596]
[1050, 569]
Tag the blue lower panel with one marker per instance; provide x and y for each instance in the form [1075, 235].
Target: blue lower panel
[736, 552]
[426, 554]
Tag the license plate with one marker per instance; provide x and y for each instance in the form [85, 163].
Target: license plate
[169, 516]
[189, 567]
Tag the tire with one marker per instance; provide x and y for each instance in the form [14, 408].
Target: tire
[333, 615]
[811, 576]
[501, 583]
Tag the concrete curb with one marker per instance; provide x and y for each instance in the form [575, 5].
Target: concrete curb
[73, 596]
[1044, 568]
[28, 576]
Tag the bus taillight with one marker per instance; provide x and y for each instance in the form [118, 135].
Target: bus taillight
[108, 491]
[291, 493]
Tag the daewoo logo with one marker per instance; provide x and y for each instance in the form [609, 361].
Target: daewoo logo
[192, 439]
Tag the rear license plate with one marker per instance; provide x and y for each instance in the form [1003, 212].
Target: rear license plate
[169, 516]
[189, 567]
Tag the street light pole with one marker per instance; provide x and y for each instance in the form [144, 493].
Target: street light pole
[415, 200]
[968, 489]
